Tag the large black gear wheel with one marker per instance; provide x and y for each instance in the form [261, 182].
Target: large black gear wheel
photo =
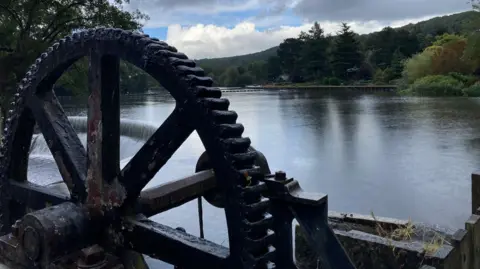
[100, 186]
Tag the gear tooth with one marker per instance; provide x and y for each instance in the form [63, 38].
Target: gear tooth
[186, 70]
[236, 145]
[224, 116]
[203, 92]
[216, 103]
[193, 84]
[230, 130]
[185, 62]
[199, 80]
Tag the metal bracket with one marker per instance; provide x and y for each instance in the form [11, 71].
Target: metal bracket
[311, 211]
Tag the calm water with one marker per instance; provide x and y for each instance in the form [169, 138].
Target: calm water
[398, 157]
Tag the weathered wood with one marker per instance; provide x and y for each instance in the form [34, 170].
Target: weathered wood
[460, 257]
[472, 225]
[369, 251]
[175, 193]
[173, 246]
[475, 191]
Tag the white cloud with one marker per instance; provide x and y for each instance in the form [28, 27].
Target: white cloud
[212, 41]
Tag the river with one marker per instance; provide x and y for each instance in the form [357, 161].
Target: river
[401, 157]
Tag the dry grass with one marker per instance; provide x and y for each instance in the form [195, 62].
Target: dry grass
[407, 232]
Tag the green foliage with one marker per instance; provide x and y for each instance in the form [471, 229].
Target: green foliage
[331, 81]
[418, 66]
[471, 54]
[447, 38]
[28, 27]
[313, 55]
[346, 54]
[436, 85]
[390, 55]
[384, 44]
[273, 68]
[472, 91]
[467, 80]
[398, 60]
[460, 23]
[383, 76]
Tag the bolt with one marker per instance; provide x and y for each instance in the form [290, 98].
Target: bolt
[280, 176]
[16, 228]
[91, 257]
[181, 229]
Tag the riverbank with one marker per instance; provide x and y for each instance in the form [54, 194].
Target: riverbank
[367, 88]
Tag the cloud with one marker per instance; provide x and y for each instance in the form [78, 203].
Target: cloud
[380, 10]
[189, 12]
[212, 41]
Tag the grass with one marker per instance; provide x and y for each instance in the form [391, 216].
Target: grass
[407, 232]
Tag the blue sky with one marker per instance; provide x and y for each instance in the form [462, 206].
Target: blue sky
[219, 28]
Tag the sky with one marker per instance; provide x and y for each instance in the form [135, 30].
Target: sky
[221, 28]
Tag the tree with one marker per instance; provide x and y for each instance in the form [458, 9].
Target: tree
[258, 70]
[274, 70]
[396, 66]
[289, 55]
[230, 77]
[471, 54]
[346, 54]
[28, 27]
[314, 53]
[447, 54]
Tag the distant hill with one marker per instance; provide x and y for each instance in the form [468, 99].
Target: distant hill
[457, 23]
[463, 22]
[222, 63]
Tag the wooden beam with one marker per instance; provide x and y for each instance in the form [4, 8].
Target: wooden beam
[175, 193]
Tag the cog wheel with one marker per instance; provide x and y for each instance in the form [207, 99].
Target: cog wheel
[93, 175]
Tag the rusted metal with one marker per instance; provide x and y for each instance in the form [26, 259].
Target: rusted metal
[216, 197]
[63, 142]
[103, 124]
[311, 211]
[92, 257]
[173, 245]
[175, 193]
[155, 153]
[36, 197]
[105, 204]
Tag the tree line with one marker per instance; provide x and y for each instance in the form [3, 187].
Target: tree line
[345, 58]
[326, 59]
[28, 27]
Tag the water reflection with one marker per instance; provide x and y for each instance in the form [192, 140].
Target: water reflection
[396, 156]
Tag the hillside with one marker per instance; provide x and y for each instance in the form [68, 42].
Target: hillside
[222, 63]
[457, 23]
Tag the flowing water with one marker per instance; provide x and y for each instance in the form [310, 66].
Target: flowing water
[401, 157]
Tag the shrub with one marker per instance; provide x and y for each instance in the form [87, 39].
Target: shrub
[472, 91]
[418, 66]
[383, 76]
[437, 85]
[331, 81]
[467, 80]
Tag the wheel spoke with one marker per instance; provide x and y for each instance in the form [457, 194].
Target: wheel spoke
[35, 196]
[62, 140]
[171, 245]
[103, 134]
[154, 154]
